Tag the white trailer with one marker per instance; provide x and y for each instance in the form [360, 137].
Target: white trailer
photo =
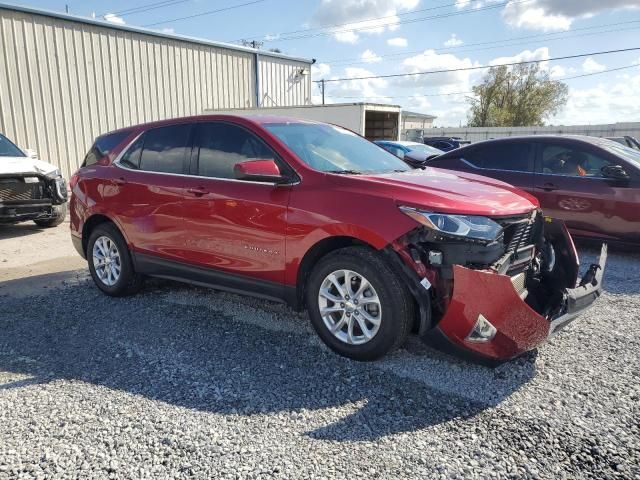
[372, 121]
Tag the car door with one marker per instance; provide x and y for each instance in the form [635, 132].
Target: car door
[235, 226]
[571, 186]
[151, 176]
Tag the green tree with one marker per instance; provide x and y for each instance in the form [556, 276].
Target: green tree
[518, 96]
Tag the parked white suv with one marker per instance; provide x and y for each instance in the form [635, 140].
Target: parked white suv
[30, 189]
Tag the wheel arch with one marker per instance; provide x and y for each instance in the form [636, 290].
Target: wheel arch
[91, 223]
[314, 254]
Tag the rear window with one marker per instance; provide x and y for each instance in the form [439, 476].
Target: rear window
[102, 146]
[165, 149]
[502, 156]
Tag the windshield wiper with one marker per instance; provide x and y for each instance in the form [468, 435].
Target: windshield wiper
[345, 172]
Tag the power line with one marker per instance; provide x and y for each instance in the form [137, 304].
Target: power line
[510, 64]
[202, 14]
[412, 20]
[406, 54]
[145, 8]
[626, 67]
[370, 19]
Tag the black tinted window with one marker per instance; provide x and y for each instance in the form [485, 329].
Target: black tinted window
[165, 149]
[221, 146]
[443, 145]
[502, 156]
[102, 146]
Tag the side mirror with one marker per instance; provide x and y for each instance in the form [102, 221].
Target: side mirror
[29, 152]
[258, 171]
[615, 172]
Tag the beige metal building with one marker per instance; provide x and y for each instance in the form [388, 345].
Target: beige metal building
[66, 79]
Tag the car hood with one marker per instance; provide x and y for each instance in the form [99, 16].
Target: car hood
[445, 191]
[10, 165]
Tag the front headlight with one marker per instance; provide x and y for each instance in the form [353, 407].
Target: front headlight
[467, 226]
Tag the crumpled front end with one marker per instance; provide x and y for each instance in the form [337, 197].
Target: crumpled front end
[30, 196]
[497, 300]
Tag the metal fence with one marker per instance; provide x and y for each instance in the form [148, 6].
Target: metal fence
[476, 134]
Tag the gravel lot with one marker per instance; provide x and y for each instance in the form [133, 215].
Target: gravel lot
[183, 382]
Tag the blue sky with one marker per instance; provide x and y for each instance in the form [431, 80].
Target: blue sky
[378, 37]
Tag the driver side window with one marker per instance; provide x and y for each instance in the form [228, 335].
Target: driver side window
[572, 162]
[220, 146]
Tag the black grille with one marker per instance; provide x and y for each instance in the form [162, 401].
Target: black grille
[518, 233]
[16, 189]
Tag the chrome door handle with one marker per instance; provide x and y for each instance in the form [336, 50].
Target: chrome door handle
[198, 192]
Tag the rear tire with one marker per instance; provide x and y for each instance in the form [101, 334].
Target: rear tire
[57, 219]
[110, 262]
[357, 304]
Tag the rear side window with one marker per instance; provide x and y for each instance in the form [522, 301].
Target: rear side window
[502, 156]
[221, 146]
[102, 146]
[131, 158]
[165, 149]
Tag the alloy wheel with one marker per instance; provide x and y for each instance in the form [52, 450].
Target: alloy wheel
[106, 261]
[350, 307]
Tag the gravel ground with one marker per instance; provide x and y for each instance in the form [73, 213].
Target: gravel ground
[183, 382]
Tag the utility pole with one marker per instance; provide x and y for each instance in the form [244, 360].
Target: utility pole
[252, 43]
[322, 87]
[66, 7]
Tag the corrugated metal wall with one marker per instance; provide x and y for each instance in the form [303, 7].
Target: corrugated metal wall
[282, 83]
[476, 134]
[63, 82]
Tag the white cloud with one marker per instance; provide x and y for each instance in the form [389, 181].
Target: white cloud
[397, 42]
[346, 37]
[113, 18]
[591, 66]
[549, 15]
[168, 30]
[320, 70]
[446, 82]
[541, 53]
[604, 103]
[453, 41]
[557, 71]
[361, 90]
[269, 37]
[352, 17]
[370, 57]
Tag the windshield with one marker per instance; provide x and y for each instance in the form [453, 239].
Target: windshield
[625, 152]
[8, 149]
[328, 148]
[419, 147]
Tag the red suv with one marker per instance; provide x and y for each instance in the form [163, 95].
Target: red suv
[320, 218]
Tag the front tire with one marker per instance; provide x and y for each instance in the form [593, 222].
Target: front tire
[110, 262]
[357, 304]
[55, 220]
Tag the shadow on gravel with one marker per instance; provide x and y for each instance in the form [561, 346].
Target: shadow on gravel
[18, 230]
[199, 358]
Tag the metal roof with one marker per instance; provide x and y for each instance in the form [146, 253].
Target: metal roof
[146, 31]
[407, 113]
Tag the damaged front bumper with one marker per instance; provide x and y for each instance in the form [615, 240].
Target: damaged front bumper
[495, 302]
[30, 196]
[488, 302]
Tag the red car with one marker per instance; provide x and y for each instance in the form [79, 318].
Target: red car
[592, 184]
[318, 217]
